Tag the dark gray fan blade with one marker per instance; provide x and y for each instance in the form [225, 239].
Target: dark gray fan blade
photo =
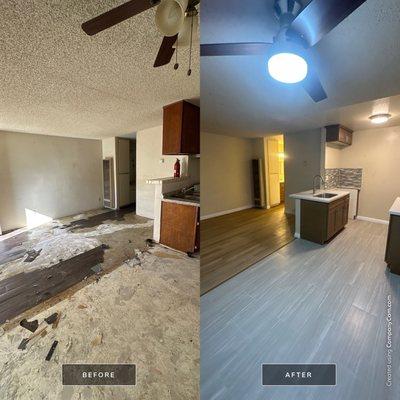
[234, 49]
[166, 51]
[117, 15]
[320, 17]
[313, 86]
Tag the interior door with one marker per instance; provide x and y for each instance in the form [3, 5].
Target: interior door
[123, 172]
[273, 172]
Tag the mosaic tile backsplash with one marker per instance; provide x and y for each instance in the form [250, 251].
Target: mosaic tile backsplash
[343, 177]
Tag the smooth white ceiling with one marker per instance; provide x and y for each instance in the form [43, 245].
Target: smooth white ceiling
[54, 79]
[358, 61]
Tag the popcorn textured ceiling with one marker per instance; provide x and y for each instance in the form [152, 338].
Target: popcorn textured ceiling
[56, 80]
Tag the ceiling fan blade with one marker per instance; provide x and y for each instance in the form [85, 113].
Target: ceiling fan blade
[234, 49]
[116, 15]
[166, 51]
[313, 86]
[320, 16]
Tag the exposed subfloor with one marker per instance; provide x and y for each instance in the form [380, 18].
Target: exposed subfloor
[143, 308]
[306, 303]
[233, 242]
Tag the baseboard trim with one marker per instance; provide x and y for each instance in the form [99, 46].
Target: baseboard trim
[375, 220]
[220, 213]
[145, 214]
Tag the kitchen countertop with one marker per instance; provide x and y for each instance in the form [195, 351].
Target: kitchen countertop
[344, 188]
[395, 209]
[308, 195]
[159, 181]
[182, 201]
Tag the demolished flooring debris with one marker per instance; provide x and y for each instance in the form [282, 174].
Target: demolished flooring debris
[52, 318]
[147, 315]
[66, 256]
[51, 351]
[144, 310]
[22, 291]
[30, 325]
[32, 254]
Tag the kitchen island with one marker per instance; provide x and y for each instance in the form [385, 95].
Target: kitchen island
[320, 215]
[392, 256]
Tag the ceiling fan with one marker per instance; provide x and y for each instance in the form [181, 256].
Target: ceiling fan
[300, 28]
[176, 20]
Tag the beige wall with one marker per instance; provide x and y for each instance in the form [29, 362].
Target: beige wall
[149, 166]
[376, 151]
[304, 158]
[225, 173]
[50, 175]
[332, 157]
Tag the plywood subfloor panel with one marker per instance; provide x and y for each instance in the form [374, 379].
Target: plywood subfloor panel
[233, 242]
[305, 303]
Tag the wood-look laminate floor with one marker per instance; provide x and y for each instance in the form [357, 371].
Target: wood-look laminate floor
[233, 242]
[306, 303]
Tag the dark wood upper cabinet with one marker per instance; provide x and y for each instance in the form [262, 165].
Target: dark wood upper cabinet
[339, 135]
[181, 128]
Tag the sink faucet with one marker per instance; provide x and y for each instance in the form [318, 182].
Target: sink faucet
[187, 189]
[316, 177]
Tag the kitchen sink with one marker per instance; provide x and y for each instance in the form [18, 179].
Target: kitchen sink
[187, 197]
[325, 195]
[190, 196]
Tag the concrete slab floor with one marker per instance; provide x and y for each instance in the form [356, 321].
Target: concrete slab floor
[143, 310]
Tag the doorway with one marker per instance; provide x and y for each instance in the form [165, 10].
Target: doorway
[275, 167]
[126, 171]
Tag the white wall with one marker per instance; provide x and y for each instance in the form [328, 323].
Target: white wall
[304, 158]
[149, 166]
[50, 175]
[376, 151]
[226, 173]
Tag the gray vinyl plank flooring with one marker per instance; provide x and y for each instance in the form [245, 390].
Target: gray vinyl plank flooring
[305, 304]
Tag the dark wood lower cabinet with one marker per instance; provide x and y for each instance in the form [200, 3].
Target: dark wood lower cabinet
[180, 226]
[321, 221]
[392, 256]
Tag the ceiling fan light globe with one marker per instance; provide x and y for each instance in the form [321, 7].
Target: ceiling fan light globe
[184, 33]
[170, 16]
[287, 67]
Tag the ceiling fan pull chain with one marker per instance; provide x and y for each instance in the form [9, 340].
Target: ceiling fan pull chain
[190, 48]
[176, 66]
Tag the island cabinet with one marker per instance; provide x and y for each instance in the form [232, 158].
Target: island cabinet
[392, 256]
[181, 129]
[180, 226]
[321, 221]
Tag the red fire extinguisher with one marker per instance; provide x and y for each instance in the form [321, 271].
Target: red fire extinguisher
[177, 169]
